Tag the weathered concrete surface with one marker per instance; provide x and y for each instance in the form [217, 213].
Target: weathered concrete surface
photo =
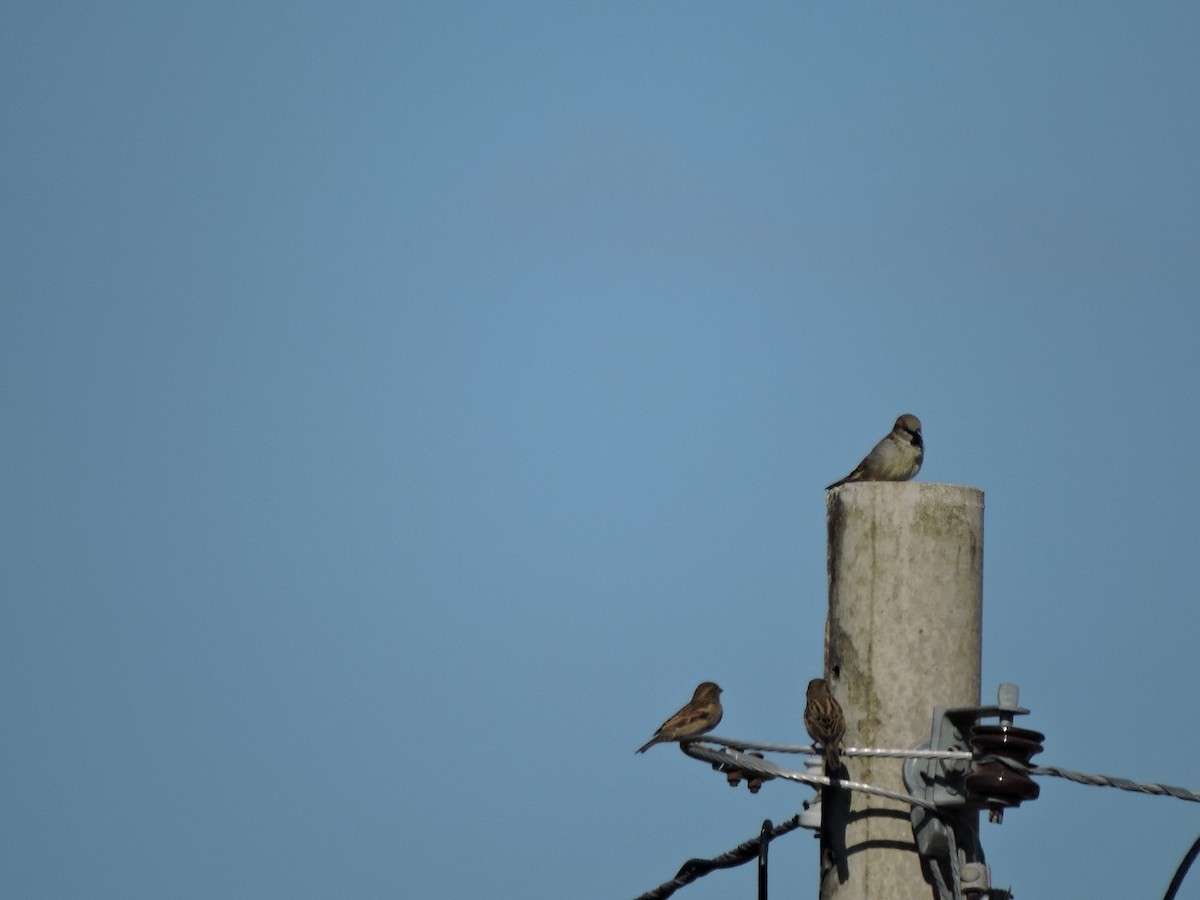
[903, 636]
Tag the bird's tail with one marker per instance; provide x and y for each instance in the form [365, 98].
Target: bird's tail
[833, 758]
[856, 475]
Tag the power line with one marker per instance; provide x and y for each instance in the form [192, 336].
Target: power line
[1188, 859]
[809, 750]
[732, 754]
[1123, 784]
[698, 868]
[733, 759]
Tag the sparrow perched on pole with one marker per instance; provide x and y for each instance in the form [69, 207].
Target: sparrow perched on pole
[825, 722]
[702, 713]
[895, 458]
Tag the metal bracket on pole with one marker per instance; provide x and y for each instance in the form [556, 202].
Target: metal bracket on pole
[983, 781]
[949, 838]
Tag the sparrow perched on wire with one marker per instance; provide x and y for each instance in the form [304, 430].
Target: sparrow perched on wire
[824, 721]
[702, 713]
[895, 458]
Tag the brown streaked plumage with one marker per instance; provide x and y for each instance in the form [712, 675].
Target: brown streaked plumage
[897, 457]
[825, 722]
[702, 713]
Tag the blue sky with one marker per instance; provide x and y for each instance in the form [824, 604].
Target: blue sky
[407, 405]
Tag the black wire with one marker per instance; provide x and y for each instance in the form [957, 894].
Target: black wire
[1188, 859]
[698, 868]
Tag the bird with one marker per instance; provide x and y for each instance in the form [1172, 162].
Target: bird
[825, 722]
[700, 714]
[895, 458]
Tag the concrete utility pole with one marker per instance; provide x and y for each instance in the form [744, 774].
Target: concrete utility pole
[903, 635]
